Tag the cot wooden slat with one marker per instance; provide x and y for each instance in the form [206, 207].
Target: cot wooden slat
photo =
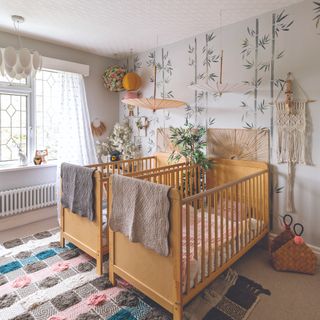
[227, 221]
[215, 195]
[209, 235]
[203, 238]
[221, 226]
[195, 229]
[232, 221]
[188, 246]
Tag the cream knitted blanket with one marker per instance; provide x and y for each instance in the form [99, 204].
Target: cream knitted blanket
[140, 210]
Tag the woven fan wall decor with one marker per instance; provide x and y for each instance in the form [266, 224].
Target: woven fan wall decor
[238, 144]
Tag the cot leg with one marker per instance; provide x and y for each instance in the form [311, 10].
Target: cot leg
[178, 312]
[112, 278]
[99, 267]
[62, 240]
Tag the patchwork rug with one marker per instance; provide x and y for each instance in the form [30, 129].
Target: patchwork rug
[39, 280]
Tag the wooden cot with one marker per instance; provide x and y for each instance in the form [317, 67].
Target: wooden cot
[88, 235]
[215, 218]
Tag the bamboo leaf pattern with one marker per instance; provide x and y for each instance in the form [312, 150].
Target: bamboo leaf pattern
[248, 125]
[265, 66]
[262, 106]
[316, 10]
[151, 61]
[137, 64]
[278, 189]
[264, 41]
[211, 121]
[280, 55]
[279, 83]
[281, 24]
[249, 64]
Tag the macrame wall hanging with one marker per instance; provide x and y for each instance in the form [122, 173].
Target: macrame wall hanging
[291, 125]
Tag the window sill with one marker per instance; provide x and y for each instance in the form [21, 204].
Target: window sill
[27, 167]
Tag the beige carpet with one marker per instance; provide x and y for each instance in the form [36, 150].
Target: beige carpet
[293, 296]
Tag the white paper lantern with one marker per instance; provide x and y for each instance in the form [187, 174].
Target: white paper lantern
[18, 68]
[19, 63]
[36, 60]
[10, 57]
[24, 57]
[1, 63]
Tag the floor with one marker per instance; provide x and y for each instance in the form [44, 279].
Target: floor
[28, 229]
[293, 296]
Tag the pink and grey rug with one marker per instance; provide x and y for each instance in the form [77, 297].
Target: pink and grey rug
[39, 280]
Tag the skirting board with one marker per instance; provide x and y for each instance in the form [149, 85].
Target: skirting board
[315, 249]
[22, 219]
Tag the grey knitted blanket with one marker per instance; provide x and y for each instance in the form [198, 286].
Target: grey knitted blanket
[77, 189]
[140, 210]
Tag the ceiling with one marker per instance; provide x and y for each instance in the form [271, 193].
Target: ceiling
[114, 27]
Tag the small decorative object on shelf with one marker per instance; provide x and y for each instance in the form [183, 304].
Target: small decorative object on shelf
[115, 155]
[98, 128]
[112, 78]
[37, 160]
[131, 95]
[39, 157]
[23, 158]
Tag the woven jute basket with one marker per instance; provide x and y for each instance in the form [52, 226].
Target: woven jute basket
[284, 236]
[295, 257]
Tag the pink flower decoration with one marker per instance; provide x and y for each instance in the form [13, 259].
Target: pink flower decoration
[21, 282]
[96, 299]
[56, 318]
[60, 266]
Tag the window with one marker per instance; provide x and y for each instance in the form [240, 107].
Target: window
[47, 96]
[28, 121]
[13, 123]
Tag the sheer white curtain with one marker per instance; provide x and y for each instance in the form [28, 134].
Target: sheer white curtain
[75, 143]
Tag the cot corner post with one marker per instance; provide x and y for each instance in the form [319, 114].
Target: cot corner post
[178, 312]
[98, 212]
[111, 236]
[177, 254]
[62, 239]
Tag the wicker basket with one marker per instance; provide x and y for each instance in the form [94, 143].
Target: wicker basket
[284, 236]
[295, 257]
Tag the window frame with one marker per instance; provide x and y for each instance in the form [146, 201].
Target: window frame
[23, 90]
[28, 90]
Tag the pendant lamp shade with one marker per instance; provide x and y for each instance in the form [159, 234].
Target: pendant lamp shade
[154, 103]
[22, 62]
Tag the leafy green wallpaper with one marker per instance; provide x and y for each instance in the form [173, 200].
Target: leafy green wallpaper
[258, 52]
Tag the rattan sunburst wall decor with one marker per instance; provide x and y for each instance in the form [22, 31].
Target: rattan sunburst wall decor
[238, 144]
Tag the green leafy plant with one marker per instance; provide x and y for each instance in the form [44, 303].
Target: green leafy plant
[189, 142]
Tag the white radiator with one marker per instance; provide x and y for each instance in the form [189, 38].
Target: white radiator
[25, 199]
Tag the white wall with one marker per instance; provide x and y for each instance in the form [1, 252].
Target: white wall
[102, 103]
[298, 49]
